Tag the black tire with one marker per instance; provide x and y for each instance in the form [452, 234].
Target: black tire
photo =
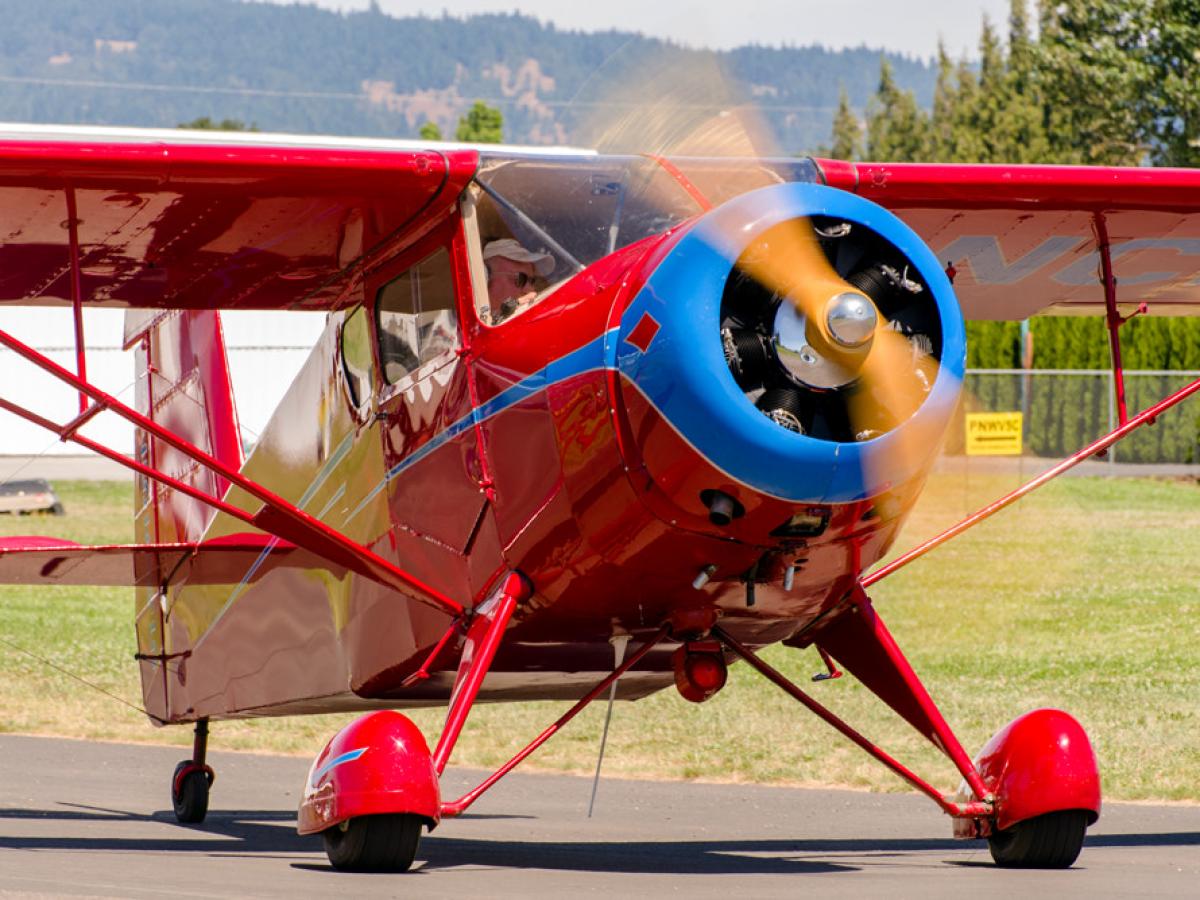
[1052, 841]
[57, 509]
[385, 843]
[191, 800]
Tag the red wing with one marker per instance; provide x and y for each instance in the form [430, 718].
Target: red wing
[1025, 239]
[170, 221]
[229, 560]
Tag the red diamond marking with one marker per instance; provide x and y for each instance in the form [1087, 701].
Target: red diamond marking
[643, 333]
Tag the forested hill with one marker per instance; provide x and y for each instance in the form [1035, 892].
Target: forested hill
[304, 69]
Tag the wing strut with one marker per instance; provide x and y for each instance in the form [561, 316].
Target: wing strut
[277, 516]
[483, 640]
[1095, 448]
[76, 292]
[457, 807]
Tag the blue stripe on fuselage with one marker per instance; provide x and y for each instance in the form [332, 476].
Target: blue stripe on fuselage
[590, 357]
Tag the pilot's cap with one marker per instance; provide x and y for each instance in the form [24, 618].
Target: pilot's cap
[543, 263]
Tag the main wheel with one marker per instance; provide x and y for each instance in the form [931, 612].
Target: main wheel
[386, 843]
[189, 794]
[1051, 841]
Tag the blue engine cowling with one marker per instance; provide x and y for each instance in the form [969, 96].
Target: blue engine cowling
[687, 374]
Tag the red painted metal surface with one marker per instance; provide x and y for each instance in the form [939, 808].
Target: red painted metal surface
[459, 806]
[967, 186]
[483, 637]
[1112, 316]
[179, 226]
[187, 371]
[1145, 417]
[376, 765]
[1039, 763]
[220, 409]
[858, 639]
[969, 810]
[434, 655]
[700, 670]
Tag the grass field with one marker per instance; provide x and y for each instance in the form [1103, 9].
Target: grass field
[1086, 597]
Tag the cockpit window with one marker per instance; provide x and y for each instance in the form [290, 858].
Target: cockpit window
[577, 210]
[416, 317]
[356, 357]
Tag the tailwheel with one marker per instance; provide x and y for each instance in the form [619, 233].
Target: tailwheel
[1050, 841]
[189, 792]
[383, 843]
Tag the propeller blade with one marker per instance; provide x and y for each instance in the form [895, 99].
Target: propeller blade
[668, 103]
[788, 261]
[894, 380]
[684, 105]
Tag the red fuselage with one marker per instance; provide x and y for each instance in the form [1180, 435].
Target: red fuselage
[511, 452]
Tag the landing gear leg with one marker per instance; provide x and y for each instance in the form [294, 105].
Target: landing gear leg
[192, 780]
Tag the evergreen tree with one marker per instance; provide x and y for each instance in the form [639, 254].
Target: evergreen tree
[997, 116]
[430, 131]
[1093, 71]
[847, 130]
[896, 125]
[482, 124]
[1171, 108]
[1003, 120]
[968, 142]
[1020, 46]
[944, 122]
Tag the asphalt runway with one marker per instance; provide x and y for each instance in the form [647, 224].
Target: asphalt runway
[90, 819]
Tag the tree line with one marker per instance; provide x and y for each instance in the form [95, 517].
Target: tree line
[1102, 82]
[1098, 82]
[306, 69]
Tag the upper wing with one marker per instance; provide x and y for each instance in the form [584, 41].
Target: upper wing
[1025, 240]
[175, 220]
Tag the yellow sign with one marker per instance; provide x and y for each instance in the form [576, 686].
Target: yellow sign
[994, 434]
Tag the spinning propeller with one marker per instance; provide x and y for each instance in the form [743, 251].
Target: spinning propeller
[827, 327]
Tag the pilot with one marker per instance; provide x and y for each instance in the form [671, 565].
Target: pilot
[511, 271]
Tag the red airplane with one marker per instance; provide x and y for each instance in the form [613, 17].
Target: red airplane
[690, 414]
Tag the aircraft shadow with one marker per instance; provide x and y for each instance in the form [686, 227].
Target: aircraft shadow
[735, 857]
[272, 832]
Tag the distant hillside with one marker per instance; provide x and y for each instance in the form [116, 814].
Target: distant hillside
[304, 69]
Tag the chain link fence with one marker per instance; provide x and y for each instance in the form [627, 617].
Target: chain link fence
[1066, 409]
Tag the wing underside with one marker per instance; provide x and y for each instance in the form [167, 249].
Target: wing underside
[1028, 240]
[178, 223]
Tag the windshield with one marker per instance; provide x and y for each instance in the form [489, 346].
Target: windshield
[565, 213]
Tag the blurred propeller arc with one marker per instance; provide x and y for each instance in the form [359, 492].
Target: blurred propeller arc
[679, 105]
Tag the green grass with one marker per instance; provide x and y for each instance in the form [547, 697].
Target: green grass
[1086, 597]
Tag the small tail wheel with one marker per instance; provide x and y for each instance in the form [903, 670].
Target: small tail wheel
[1050, 841]
[189, 792]
[384, 843]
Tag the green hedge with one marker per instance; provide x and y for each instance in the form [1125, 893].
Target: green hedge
[1068, 411]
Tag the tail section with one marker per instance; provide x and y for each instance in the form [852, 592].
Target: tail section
[184, 386]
